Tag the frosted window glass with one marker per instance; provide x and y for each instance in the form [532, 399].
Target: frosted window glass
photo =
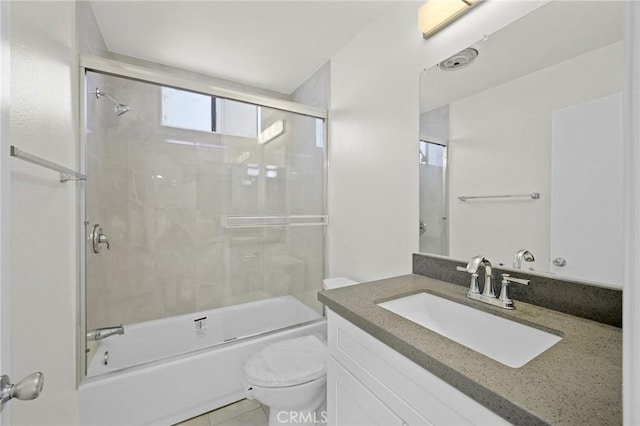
[319, 133]
[186, 110]
[240, 119]
[423, 152]
[435, 155]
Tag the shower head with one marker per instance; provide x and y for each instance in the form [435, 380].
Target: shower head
[460, 60]
[118, 108]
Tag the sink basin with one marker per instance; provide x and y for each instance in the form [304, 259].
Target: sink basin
[508, 342]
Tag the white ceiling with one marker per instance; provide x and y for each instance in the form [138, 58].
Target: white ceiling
[273, 45]
[549, 35]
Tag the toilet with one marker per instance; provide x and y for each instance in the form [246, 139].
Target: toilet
[290, 376]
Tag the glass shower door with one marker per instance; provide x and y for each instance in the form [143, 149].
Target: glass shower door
[206, 202]
[274, 219]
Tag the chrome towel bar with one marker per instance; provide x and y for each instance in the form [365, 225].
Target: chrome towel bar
[65, 173]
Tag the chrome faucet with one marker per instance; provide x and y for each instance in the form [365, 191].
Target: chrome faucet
[104, 332]
[522, 254]
[488, 294]
[472, 268]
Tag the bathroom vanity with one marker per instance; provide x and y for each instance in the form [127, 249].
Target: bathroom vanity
[368, 383]
[385, 369]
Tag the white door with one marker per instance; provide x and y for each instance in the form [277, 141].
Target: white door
[587, 237]
[4, 196]
[31, 386]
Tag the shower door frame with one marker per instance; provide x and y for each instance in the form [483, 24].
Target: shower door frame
[167, 79]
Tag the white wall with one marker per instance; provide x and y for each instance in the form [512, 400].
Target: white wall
[315, 90]
[434, 125]
[43, 114]
[513, 121]
[90, 40]
[373, 161]
[631, 293]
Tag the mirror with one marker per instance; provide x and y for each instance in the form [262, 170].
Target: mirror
[521, 148]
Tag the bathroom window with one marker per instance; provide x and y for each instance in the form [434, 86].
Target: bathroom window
[188, 110]
[431, 154]
[195, 111]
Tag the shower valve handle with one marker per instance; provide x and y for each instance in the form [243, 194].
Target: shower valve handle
[102, 239]
[98, 238]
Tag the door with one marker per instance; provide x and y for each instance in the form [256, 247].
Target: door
[587, 239]
[4, 196]
[30, 386]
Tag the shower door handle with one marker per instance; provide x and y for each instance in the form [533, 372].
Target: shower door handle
[98, 238]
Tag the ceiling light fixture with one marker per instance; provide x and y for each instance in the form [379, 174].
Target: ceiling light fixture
[434, 15]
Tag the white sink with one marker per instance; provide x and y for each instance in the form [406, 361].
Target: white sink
[508, 342]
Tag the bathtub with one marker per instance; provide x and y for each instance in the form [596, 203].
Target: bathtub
[166, 371]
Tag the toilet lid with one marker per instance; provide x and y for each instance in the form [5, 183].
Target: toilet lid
[288, 362]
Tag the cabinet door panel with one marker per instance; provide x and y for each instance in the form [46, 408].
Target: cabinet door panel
[349, 403]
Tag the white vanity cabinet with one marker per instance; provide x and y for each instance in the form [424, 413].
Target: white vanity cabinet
[354, 404]
[368, 383]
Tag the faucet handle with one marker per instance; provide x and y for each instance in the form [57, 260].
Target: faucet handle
[473, 286]
[505, 294]
[510, 280]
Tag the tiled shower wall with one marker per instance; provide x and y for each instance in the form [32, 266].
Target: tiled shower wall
[160, 192]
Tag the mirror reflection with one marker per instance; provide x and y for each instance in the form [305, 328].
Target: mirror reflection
[520, 147]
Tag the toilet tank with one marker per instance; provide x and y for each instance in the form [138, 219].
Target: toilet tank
[331, 283]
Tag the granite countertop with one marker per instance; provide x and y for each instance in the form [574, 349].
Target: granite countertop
[578, 381]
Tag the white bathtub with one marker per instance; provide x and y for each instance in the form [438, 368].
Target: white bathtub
[165, 371]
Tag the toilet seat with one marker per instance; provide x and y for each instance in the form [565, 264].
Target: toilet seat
[287, 363]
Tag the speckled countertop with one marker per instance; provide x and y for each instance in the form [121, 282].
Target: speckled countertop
[578, 381]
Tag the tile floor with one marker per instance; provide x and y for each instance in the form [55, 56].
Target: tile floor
[242, 413]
